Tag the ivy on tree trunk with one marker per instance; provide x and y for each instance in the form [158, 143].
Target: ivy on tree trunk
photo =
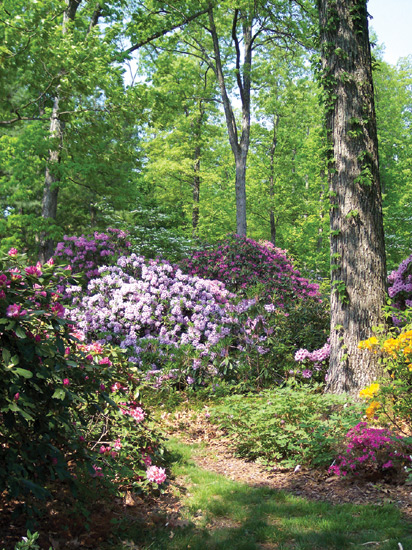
[358, 266]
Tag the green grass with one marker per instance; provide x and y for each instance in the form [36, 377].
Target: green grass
[226, 515]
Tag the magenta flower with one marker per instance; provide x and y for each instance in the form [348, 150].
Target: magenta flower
[12, 252]
[105, 361]
[33, 270]
[66, 382]
[14, 311]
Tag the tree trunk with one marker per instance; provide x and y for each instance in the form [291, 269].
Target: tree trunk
[240, 147]
[358, 267]
[52, 178]
[51, 183]
[196, 191]
[272, 179]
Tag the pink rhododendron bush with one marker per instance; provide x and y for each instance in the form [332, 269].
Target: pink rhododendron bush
[86, 253]
[245, 265]
[68, 408]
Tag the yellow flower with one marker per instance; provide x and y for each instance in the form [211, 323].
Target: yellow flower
[369, 344]
[369, 392]
[373, 407]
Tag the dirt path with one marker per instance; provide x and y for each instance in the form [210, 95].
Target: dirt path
[216, 455]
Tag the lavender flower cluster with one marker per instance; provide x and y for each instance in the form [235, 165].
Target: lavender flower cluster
[400, 287]
[137, 304]
[318, 360]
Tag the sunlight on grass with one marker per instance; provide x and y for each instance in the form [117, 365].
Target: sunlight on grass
[226, 515]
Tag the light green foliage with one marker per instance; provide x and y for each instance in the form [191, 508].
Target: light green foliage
[393, 90]
[287, 426]
[74, 61]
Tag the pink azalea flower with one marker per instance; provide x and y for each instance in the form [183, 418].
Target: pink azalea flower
[156, 474]
[12, 252]
[66, 382]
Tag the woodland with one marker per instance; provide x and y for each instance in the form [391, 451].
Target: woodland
[205, 276]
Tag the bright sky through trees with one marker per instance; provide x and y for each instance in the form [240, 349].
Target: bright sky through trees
[392, 23]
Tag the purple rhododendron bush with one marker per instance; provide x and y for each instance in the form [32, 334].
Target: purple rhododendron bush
[68, 408]
[294, 306]
[400, 292]
[187, 330]
[86, 253]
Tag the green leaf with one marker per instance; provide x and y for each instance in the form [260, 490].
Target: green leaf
[6, 356]
[59, 394]
[23, 372]
[20, 332]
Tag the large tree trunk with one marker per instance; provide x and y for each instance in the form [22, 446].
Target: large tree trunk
[358, 274]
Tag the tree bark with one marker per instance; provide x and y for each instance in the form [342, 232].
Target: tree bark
[358, 266]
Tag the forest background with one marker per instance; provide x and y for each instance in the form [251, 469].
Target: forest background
[142, 142]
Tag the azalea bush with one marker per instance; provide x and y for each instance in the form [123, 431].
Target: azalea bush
[59, 396]
[373, 452]
[390, 399]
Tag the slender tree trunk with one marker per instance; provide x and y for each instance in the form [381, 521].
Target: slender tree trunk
[358, 265]
[51, 182]
[52, 177]
[196, 191]
[240, 147]
[272, 179]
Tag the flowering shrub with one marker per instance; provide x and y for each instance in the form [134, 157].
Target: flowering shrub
[86, 254]
[392, 398]
[242, 264]
[156, 313]
[372, 452]
[314, 364]
[58, 395]
[400, 289]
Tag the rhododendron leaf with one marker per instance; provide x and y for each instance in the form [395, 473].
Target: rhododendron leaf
[71, 363]
[59, 394]
[25, 415]
[20, 332]
[6, 356]
[24, 372]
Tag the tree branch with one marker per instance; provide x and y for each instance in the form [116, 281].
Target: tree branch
[163, 32]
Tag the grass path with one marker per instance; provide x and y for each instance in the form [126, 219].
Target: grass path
[218, 513]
